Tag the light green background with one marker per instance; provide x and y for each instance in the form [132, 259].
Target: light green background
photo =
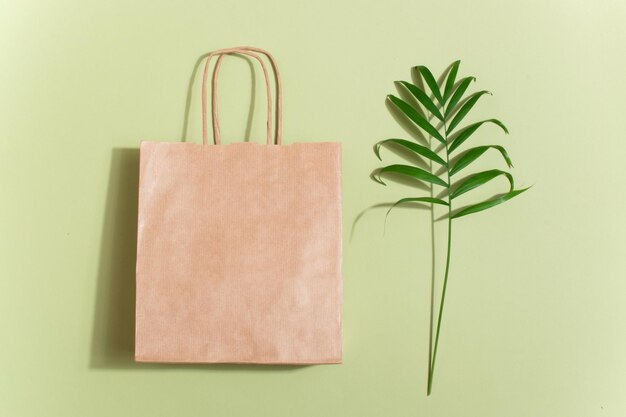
[535, 320]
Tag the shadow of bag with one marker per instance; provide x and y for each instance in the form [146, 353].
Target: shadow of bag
[239, 246]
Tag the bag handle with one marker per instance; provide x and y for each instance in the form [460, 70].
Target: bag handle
[216, 123]
[245, 50]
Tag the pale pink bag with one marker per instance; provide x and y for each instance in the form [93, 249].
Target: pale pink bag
[239, 247]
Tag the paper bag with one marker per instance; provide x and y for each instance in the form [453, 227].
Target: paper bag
[239, 247]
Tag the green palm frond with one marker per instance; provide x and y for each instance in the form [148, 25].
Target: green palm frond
[442, 109]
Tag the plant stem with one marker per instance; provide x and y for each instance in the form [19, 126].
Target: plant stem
[443, 299]
[431, 369]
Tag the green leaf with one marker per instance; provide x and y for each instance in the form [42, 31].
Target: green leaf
[432, 83]
[423, 98]
[469, 130]
[472, 154]
[467, 106]
[475, 208]
[454, 69]
[479, 179]
[458, 94]
[417, 118]
[419, 149]
[414, 172]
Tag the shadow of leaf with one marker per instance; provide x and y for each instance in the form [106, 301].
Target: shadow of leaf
[399, 179]
[386, 206]
[410, 157]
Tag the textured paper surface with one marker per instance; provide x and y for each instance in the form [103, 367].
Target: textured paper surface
[239, 253]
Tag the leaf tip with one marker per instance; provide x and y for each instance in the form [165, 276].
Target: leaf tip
[499, 123]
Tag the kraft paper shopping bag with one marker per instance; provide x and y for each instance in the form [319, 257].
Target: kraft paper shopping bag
[239, 246]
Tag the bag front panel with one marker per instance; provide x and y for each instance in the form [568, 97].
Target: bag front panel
[239, 253]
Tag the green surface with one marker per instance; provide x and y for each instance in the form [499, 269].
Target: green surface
[535, 310]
